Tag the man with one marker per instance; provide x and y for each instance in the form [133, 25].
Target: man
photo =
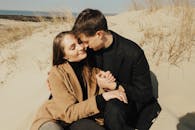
[128, 64]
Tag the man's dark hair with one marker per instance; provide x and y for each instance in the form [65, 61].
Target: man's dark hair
[89, 21]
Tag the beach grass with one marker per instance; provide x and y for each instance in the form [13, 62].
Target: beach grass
[173, 42]
[26, 25]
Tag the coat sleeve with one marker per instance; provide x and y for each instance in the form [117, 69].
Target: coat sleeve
[65, 105]
[140, 89]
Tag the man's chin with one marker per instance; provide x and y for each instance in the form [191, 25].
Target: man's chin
[96, 49]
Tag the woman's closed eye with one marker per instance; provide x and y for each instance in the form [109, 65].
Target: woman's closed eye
[72, 47]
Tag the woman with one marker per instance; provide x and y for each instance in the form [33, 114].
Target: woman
[77, 102]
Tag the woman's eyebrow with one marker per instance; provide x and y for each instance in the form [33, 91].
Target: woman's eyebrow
[72, 45]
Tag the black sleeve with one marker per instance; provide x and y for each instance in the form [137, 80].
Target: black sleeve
[101, 102]
[141, 88]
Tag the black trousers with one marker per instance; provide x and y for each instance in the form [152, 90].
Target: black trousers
[121, 116]
[118, 116]
[82, 124]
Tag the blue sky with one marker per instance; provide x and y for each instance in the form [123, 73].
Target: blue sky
[106, 6]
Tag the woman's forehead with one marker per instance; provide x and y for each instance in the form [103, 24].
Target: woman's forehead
[69, 39]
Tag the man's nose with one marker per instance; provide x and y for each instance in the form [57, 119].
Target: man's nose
[80, 47]
[86, 45]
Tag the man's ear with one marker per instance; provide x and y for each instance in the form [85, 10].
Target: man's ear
[100, 33]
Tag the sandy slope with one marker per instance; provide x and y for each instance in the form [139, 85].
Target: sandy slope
[24, 88]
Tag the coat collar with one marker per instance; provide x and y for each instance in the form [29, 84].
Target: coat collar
[118, 58]
[74, 82]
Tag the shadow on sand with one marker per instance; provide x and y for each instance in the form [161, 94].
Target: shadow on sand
[187, 122]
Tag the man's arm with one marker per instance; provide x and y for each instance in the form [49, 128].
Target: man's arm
[141, 88]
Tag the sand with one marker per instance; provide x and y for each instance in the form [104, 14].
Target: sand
[25, 64]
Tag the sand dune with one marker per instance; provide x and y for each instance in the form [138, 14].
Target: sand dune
[23, 76]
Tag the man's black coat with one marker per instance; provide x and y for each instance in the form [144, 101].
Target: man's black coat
[127, 62]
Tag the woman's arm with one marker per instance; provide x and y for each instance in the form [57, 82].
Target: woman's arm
[66, 106]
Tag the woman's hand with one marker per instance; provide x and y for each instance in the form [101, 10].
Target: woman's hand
[107, 75]
[106, 80]
[120, 95]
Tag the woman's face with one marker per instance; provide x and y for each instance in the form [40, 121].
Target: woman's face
[74, 52]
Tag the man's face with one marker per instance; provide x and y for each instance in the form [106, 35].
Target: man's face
[94, 42]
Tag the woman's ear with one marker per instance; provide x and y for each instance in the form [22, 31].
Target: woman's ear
[66, 58]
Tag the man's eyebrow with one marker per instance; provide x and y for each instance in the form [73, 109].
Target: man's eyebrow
[84, 41]
[79, 40]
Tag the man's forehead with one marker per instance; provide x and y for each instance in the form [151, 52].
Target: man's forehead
[83, 37]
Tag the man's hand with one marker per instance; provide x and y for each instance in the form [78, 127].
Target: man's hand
[105, 80]
[120, 95]
[106, 75]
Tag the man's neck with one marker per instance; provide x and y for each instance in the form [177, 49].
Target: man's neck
[108, 40]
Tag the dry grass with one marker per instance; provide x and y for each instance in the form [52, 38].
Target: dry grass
[135, 5]
[151, 5]
[8, 59]
[57, 18]
[175, 44]
[14, 30]
[181, 48]
[13, 33]
[18, 29]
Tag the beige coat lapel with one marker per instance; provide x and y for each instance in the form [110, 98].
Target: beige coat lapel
[91, 88]
[74, 83]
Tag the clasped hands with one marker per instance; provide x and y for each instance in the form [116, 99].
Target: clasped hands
[107, 82]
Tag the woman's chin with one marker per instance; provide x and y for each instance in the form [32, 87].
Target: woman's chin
[83, 56]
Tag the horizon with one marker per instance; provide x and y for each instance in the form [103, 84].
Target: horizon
[43, 11]
[39, 13]
[77, 6]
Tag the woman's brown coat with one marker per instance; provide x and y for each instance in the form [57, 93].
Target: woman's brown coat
[67, 103]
